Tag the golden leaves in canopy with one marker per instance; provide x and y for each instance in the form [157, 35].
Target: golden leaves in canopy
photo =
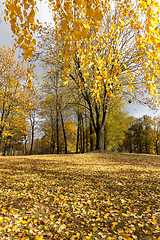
[21, 15]
[94, 27]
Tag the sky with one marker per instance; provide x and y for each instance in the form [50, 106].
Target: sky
[45, 16]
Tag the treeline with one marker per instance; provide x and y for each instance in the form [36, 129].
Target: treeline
[142, 136]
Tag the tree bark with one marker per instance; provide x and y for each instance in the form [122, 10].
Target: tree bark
[91, 135]
[52, 147]
[83, 147]
[64, 133]
[99, 142]
[86, 125]
[4, 149]
[157, 147]
[105, 137]
[32, 140]
[78, 132]
[57, 130]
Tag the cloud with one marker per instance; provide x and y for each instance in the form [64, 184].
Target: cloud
[138, 110]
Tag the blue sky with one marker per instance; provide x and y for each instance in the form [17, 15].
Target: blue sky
[45, 16]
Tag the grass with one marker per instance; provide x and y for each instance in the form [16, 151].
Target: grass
[88, 196]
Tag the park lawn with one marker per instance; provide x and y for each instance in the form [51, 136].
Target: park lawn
[84, 196]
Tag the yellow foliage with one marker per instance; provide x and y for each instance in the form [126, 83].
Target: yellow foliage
[83, 26]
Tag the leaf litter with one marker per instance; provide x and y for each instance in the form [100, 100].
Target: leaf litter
[85, 196]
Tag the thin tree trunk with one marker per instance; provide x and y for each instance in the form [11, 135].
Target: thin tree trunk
[25, 145]
[52, 144]
[83, 136]
[52, 147]
[32, 140]
[105, 137]
[91, 135]
[57, 129]
[87, 143]
[64, 133]
[157, 146]
[78, 130]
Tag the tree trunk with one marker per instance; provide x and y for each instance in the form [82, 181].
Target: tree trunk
[4, 149]
[99, 142]
[52, 144]
[157, 146]
[91, 135]
[57, 130]
[78, 130]
[140, 147]
[25, 146]
[86, 124]
[32, 140]
[83, 137]
[52, 147]
[105, 137]
[64, 133]
[130, 148]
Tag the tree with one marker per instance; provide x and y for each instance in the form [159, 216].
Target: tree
[105, 50]
[156, 125]
[149, 136]
[14, 134]
[54, 104]
[141, 136]
[13, 75]
[116, 125]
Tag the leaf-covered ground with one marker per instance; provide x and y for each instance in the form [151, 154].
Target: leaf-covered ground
[88, 196]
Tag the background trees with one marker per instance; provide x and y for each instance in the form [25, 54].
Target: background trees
[142, 136]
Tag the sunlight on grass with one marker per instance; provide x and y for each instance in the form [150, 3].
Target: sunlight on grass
[88, 196]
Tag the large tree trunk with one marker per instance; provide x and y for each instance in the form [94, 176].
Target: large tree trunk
[99, 137]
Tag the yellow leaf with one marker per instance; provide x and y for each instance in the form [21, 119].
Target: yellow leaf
[98, 14]
[78, 2]
[90, 12]
[34, 42]
[94, 229]
[38, 237]
[64, 25]
[51, 217]
[13, 229]
[86, 26]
